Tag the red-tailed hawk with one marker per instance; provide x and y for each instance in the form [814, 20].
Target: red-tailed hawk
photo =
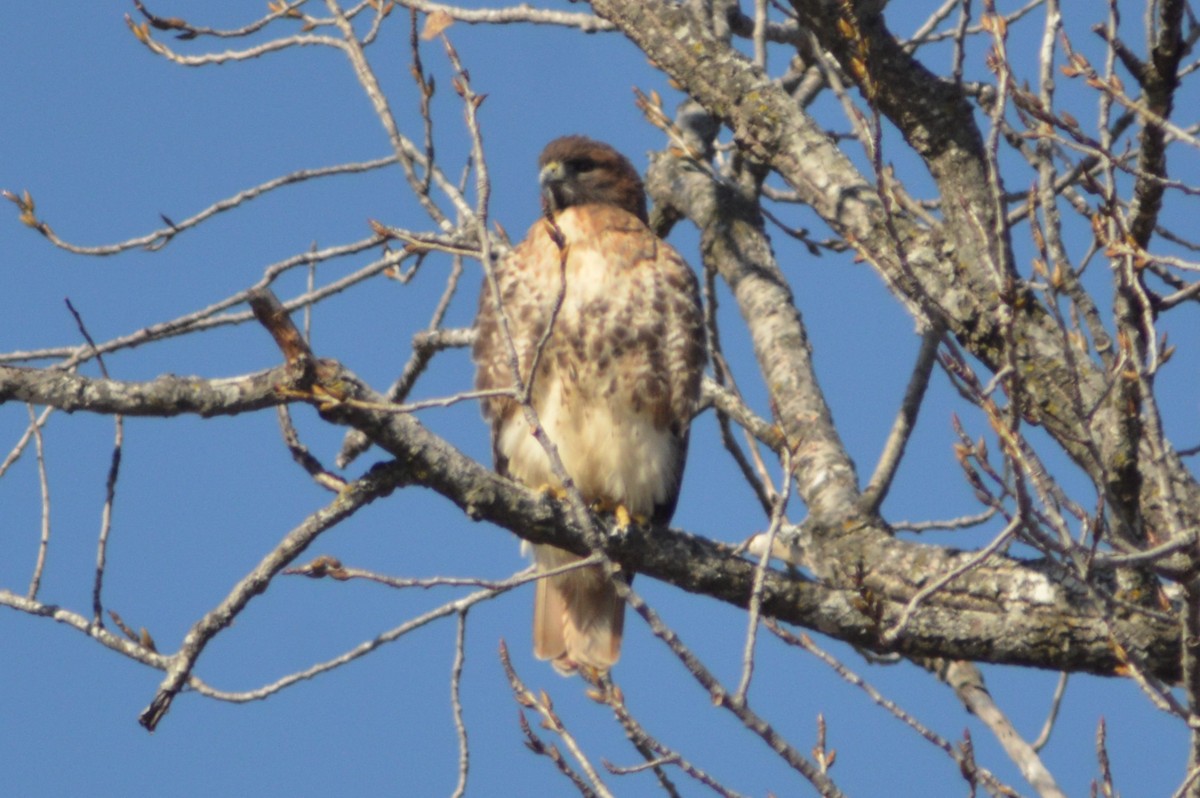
[617, 381]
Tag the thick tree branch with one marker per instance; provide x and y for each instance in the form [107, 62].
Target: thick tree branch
[1003, 611]
[947, 271]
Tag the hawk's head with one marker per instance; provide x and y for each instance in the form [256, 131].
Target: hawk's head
[576, 170]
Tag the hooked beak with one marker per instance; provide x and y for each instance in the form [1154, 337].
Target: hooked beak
[551, 179]
[553, 172]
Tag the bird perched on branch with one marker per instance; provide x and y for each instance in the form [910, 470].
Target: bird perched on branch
[617, 376]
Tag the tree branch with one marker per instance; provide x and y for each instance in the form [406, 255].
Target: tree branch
[162, 397]
[1003, 611]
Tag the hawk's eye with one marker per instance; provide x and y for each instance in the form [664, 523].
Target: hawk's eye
[582, 165]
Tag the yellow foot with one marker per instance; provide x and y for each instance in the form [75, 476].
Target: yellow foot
[625, 518]
[554, 491]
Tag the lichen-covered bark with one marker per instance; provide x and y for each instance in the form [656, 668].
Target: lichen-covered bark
[165, 396]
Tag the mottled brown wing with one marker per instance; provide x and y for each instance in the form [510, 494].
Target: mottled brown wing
[524, 303]
[685, 354]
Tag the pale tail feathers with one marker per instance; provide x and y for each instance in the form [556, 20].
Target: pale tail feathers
[578, 618]
[549, 608]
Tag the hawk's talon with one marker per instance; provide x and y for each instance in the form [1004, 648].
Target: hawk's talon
[556, 492]
[624, 519]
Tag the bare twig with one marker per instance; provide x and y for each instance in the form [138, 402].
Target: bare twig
[524, 13]
[454, 607]
[406, 152]
[326, 566]
[614, 698]
[460, 726]
[214, 315]
[805, 642]
[110, 483]
[1052, 715]
[1189, 782]
[1106, 779]
[129, 647]
[157, 239]
[893, 450]
[44, 483]
[425, 345]
[379, 482]
[962, 522]
[968, 685]
[279, 11]
[723, 698]
[541, 704]
[778, 515]
[142, 33]
[969, 564]
[19, 447]
[303, 457]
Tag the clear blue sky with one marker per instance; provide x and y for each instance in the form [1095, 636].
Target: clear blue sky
[106, 137]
